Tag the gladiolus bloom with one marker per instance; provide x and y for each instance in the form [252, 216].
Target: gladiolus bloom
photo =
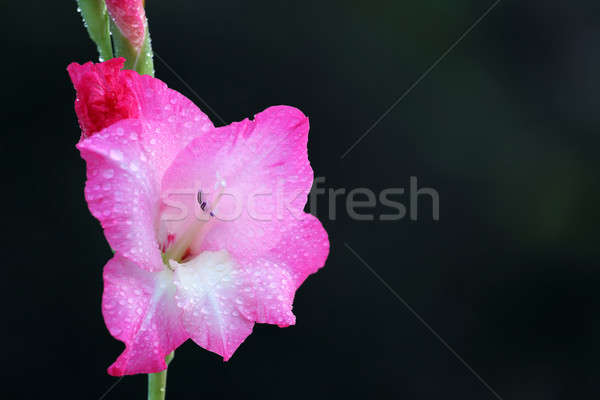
[207, 224]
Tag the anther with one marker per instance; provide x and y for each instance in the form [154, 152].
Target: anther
[203, 203]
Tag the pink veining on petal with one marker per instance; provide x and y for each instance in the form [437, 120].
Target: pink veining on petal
[130, 18]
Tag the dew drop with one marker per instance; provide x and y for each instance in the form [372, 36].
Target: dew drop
[116, 155]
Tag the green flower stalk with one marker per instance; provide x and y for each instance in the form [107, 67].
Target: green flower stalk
[125, 21]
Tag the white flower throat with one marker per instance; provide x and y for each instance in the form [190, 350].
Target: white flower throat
[197, 229]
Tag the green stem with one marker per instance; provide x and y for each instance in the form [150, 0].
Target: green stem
[96, 21]
[157, 383]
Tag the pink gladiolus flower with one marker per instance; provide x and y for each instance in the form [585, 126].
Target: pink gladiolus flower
[130, 18]
[207, 223]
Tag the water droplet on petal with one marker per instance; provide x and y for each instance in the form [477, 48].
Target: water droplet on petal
[116, 155]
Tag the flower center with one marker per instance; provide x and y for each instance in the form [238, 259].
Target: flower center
[197, 229]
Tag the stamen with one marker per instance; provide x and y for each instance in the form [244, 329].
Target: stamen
[203, 204]
[197, 228]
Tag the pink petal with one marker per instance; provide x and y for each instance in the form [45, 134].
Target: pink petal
[210, 290]
[302, 249]
[130, 18]
[139, 309]
[265, 167]
[271, 294]
[274, 277]
[171, 121]
[121, 191]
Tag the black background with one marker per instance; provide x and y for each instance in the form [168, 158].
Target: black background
[505, 128]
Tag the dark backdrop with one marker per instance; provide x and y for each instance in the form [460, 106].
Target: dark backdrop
[505, 128]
